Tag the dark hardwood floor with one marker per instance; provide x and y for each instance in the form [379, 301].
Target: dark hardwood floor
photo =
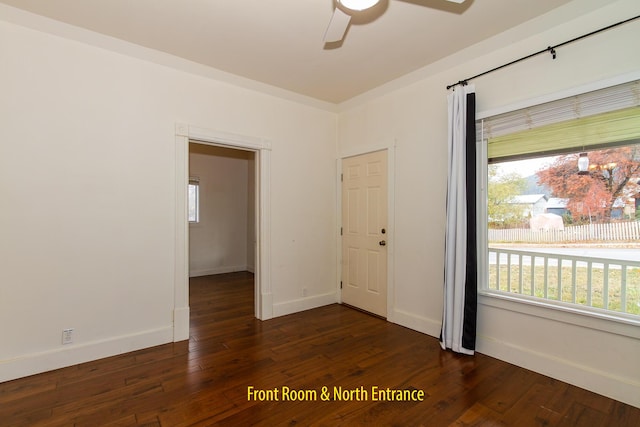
[206, 381]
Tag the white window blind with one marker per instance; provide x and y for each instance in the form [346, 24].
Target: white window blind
[599, 117]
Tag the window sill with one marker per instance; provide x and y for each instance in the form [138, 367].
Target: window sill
[620, 324]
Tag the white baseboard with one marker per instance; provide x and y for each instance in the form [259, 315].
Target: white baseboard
[618, 388]
[417, 323]
[74, 354]
[307, 303]
[218, 270]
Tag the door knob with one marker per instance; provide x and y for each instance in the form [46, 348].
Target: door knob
[383, 243]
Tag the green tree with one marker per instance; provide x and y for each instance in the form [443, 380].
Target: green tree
[501, 192]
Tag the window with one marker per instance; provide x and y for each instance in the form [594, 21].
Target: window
[194, 200]
[556, 233]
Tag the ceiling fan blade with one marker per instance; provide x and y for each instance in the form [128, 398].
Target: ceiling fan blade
[456, 1]
[337, 26]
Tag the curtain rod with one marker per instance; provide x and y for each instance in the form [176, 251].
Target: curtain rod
[550, 49]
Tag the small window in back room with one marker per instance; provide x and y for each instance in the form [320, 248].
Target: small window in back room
[194, 200]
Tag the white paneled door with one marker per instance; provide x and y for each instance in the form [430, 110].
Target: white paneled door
[364, 232]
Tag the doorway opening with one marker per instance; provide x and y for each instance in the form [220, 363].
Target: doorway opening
[259, 150]
[221, 210]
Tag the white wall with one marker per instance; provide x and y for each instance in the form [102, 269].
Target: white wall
[218, 242]
[87, 173]
[412, 112]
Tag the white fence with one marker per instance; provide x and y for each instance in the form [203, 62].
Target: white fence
[613, 232]
[582, 280]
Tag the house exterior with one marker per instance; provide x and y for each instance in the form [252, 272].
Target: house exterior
[623, 208]
[557, 205]
[84, 117]
[532, 204]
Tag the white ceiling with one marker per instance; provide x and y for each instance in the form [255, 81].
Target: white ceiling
[279, 42]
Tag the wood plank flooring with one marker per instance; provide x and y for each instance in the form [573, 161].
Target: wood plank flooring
[204, 382]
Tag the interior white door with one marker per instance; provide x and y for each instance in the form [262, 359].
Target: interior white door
[364, 232]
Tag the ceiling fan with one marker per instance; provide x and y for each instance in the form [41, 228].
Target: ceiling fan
[342, 16]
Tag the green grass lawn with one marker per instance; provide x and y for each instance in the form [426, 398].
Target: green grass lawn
[563, 290]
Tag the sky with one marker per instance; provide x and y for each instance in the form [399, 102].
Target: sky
[525, 168]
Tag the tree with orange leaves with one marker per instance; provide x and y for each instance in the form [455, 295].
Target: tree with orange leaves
[613, 173]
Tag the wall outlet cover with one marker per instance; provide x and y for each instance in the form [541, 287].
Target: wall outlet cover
[67, 336]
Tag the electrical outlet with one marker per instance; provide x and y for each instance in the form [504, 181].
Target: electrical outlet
[67, 336]
[304, 292]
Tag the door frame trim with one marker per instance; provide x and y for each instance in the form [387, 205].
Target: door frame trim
[390, 148]
[184, 134]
